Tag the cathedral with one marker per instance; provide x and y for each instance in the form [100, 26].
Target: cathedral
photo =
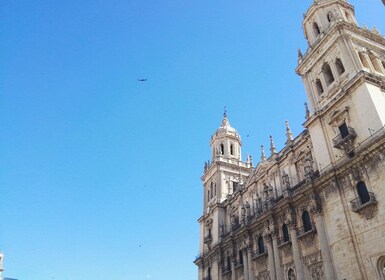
[316, 208]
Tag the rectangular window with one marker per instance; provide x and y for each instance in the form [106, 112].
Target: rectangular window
[344, 130]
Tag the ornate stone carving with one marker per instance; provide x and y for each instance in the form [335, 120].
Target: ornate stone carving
[312, 259]
[287, 249]
[317, 272]
[309, 239]
[265, 275]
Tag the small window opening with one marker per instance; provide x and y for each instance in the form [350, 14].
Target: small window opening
[231, 149]
[211, 190]
[340, 67]
[208, 195]
[328, 74]
[261, 245]
[306, 221]
[240, 257]
[285, 233]
[364, 60]
[316, 29]
[363, 192]
[209, 272]
[235, 186]
[228, 263]
[383, 64]
[319, 86]
[330, 16]
[222, 149]
[344, 130]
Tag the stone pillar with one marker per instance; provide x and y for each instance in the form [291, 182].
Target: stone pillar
[219, 269]
[270, 255]
[250, 263]
[277, 260]
[245, 265]
[296, 253]
[324, 246]
[233, 269]
[200, 273]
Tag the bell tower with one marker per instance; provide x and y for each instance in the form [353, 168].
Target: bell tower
[224, 176]
[344, 75]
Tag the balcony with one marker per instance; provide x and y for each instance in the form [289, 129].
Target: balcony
[226, 270]
[282, 242]
[366, 208]
[208, 239]
[344, 140]
[301, 232]
[238, 264]
[257, 254]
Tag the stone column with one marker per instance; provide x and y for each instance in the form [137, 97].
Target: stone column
[324, 246]
[296, 253]
[219, 269]
[233, 269]
[245, 265]
[250, 263]
[277, 260]
[270, 255]
[200, 273]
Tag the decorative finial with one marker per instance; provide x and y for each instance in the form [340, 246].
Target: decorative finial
[307, 111]
[272, 146]
[300, 55]
[289, 134]
[376, 31]
[263, 156]
[225, 121]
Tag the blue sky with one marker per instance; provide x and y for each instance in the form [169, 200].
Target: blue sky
[99, 173]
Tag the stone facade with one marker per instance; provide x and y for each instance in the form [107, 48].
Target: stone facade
[315, 209]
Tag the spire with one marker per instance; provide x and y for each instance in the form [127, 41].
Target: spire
[289, 134]
[272, 146]
[263, 156]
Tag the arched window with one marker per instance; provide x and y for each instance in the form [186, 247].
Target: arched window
[231, 149]
[340, 67]
[330, 16]
[363, 192]
[208, 195]
[316, 29]
[383, 64]
[319, 86]
[228, 263]
[285, 233]
[328, 74]
[291, 274]
[211, 190]
[222, 149]
[240, 257]
[306, 221]
[261, 245]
